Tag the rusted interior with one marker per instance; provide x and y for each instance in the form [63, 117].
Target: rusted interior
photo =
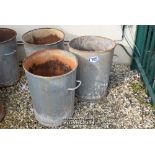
[92, 43]
[45, 40]
[43, 36]
[6, 34]
[49, 63]
[50, 68]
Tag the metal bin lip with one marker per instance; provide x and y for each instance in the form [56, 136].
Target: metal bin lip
[14, 34]
[92, 51]
[61, 39]
[53, 77]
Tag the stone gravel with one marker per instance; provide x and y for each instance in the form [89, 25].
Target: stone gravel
[126, 105]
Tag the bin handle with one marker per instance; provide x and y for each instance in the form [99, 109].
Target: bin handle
[115, 57]
[72, 89]
[14, 51]
[3, 55]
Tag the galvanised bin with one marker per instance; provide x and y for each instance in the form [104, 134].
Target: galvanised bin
[43, 38]
[95, 59]
[51, 76]
[9, 67]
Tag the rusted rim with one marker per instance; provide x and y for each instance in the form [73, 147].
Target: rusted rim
[15, 34]
[98, 51]
[2, 111]
[47, 77]
[41, 29]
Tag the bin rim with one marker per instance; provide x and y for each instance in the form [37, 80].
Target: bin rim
[9, 38]
[42, 29]
[47, 77]
[97, 51]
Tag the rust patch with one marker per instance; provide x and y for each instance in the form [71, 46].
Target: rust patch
[6, 34]
[2, 111]
[50, 68]
[46, 40]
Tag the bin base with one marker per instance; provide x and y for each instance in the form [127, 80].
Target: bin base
[95, 100]
[49, 122]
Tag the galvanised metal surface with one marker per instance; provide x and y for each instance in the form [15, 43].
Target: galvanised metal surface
[9, 73]
[95, 59]
[46, 36]
[52, 97]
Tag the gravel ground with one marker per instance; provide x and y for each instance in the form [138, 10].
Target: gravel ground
[125, 106]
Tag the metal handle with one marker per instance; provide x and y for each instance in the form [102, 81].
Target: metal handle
[2, 55]
[115, 57]
[76, 86]
[20, 43]
[14, 51]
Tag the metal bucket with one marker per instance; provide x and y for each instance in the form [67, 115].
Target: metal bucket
[9, 73]
[95, 59]
[51, 76]
[43, 38]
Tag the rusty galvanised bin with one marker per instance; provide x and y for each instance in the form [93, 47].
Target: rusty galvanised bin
[51, 76]
[9, 67]
[95, 59]
[43, 38]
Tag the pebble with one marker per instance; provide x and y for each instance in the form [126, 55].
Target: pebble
[120, 108]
